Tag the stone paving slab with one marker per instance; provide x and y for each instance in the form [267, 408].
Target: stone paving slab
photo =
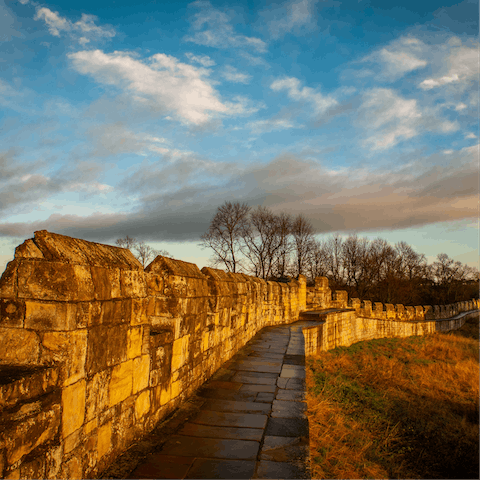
[280, 470]
[228, 419]
[208, 468]
[232, 406]
[208, 431]
[254, 379]
[253, 387]
[220, 393]
[211, 448]
[285, 409]
[247, 421]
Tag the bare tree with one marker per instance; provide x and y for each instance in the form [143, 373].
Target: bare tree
[262, 240]
[142, 252]
[281, 263]
[333, 252]
[225, 233]
[317, 261]
[302, 233]
[126, 242]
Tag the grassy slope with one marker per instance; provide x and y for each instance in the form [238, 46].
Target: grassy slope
[397, 408]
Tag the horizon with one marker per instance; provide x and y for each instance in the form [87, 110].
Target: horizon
[124, 119]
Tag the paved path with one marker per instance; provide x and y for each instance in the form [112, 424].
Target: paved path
[250, 419]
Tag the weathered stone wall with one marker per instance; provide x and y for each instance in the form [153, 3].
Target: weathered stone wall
[95, 350]
[358, 321]
[321, 297]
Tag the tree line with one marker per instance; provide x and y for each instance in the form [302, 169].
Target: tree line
[274, 246]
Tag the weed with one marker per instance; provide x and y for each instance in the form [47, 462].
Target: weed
[396, 408]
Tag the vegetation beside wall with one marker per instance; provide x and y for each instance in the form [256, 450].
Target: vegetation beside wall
[397, 408]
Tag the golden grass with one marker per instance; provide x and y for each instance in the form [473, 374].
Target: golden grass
[396, 408]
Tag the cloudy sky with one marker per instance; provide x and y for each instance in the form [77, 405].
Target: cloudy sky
[141, 118]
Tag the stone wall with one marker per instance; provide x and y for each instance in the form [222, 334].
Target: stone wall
[95, 350]
[355, 321]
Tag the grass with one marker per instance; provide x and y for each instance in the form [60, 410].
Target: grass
[397, 408]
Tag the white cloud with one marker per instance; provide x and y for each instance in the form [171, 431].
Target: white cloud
[270, 125]
[399, 57]
[394, 118]
[461, 106]
[470, 135]
[233, 75]
[161, 80]
[448, 152]
[319, 102]
[203, 60]
[213, 29]
[456, 65]
[84, 30]
[289, 17]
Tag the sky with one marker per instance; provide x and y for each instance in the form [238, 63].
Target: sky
[142, 118]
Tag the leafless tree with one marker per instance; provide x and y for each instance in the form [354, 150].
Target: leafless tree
[316, 261]
[281, 263]
[302, 233]
[225, 233]
[262, 240]
[142, 252]
[333, 252]
[126, 242]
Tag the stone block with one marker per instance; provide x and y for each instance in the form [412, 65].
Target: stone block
[133, 284]
[139, 311]
[107, 346]
[34, 468]
[116, 311]
[180, 352]
[141, 368]
[28, 249]
[35, 429]
[41, 280]
[50, 315]
[73, 407]
[19, 347]
[154, 283]
[70, 347]
[367, 308]
[390, 311]
[419, 313]
[104, 439]
[134, 342]
[429, 313]
[106, 283]
[8, 280]
[409, 313]
[121, 382]
[12, 312]
[73, 469]
[97, 394]
[142, 404]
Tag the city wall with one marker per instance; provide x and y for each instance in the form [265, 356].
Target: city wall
[95, 350]
[352, 321]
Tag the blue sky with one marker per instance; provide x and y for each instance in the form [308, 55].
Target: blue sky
[141, 118]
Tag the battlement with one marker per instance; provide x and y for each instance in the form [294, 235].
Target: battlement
[321, 297]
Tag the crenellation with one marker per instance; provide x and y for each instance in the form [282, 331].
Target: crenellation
[409, 313]
[390, 312]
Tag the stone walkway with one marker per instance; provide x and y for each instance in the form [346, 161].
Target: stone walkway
[250, 417]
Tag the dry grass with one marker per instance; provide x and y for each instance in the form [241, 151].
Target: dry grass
[397, 408]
